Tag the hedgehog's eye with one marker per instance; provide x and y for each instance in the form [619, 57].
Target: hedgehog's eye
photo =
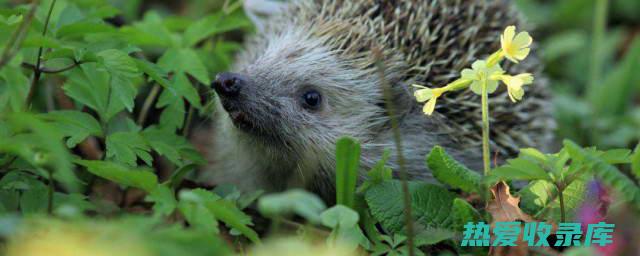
[311, 99]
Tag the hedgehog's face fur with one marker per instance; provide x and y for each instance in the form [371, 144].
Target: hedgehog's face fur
[299, 95]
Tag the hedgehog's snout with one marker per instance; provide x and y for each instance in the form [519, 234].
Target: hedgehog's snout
[229, 84]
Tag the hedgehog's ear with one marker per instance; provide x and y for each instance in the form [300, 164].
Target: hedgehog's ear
[259, 11]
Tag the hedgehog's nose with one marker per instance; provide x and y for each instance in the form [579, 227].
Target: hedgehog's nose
[228, 84]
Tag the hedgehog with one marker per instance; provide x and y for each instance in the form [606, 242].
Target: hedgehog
[308, 76]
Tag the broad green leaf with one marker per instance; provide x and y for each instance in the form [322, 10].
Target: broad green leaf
[74, 124]
[149, 32]
[607, 173]
[520, 169]
[126, 147]
[174, 111]
[339, 216]
[80, 29]
[212, 25]
[294, 201]
[89, 85]
[429, 236]
[616, 156]
[431, 205]
[463, 213]
[347, 165]
[344, 224]
[123, 69]
[184, 60]
[540, 199]
[121, 174]
[449, 171]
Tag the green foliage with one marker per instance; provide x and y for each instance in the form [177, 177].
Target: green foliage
[430, 205]
[448, 171]
[347, 165]
[294, 201]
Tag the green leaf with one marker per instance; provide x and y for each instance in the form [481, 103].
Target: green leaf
[192, 206]
[297, 201]
[616, 156]
[164, 200]
[431, 205]
[430, 236]
[347, 165]
[449, 171]
[344, 224]
[74, 124]
[339, 216]
[40, 145]
[123, 69]
[635, 162]
[89, 85]
[167, 143]
[379, 173]
[79, 29]
[14, 87]
[463, 213]
[185, 60]
[520, 169]
[126, 147]
[607, 173]
[123, 175]
[540, 198]
[212, 25]
[151, 31]
[154, 72]
[228, 213]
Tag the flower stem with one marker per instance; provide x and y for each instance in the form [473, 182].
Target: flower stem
[562, 211]
[485, 129]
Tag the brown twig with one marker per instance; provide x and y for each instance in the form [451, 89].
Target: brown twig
[37, 71]
[51, 71]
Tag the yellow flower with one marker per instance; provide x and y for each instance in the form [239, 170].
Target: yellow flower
[430, 96]
[480, 74]
[514, 85]
[515, 47]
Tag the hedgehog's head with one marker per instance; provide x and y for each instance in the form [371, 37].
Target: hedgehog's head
[294, 92]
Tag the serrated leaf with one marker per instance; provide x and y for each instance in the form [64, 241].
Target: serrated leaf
[121, 174]
[164, 200]
[123, 69]
[192, 206]
[463, 213]
[294, 201]
[74, 124]
[431, 205]
[126, 147]
[227, 212]
[540, 199]
[607, 173]
[449, 171]
[15, 87]
[347, 165]
[168, 144]
[184, 60]
[90, 86]
[520, 169]
[151, 31]
[154, 72]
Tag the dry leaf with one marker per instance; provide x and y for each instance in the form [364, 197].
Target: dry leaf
[504, 208]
